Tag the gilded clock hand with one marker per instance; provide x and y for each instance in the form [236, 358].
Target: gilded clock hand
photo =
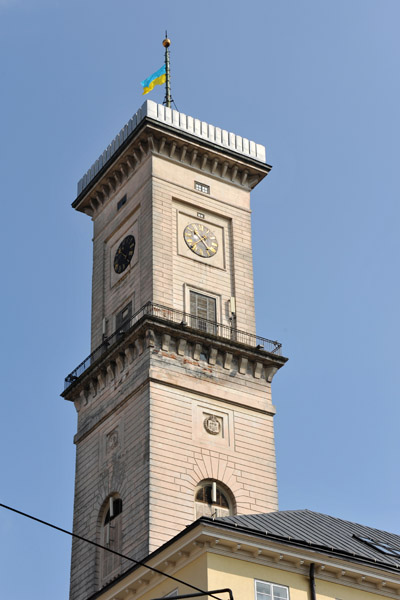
[197, 234]
[198, 241]
[195, 231]
[201, 238]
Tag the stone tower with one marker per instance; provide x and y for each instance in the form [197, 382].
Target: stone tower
[175, 418]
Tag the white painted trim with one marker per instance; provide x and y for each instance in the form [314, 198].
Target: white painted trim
[182, 122]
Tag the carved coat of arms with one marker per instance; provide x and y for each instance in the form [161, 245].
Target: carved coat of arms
[212, 425]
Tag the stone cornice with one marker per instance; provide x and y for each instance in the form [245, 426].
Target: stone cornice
[154, 138]
[175, 120]
[171, 339]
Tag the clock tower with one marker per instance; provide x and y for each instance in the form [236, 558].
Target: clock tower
[175, 418]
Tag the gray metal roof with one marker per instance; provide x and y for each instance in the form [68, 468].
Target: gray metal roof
[323, 532]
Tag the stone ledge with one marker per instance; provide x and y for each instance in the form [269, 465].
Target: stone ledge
[153, 139]
[189, 346]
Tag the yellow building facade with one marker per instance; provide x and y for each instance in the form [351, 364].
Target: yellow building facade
[216, 555]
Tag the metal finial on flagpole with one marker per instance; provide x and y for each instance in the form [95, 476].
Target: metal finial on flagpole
[167, 101]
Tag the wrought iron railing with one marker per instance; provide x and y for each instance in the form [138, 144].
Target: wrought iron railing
[184, 319]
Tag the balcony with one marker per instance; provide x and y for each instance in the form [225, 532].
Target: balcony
[185, 320]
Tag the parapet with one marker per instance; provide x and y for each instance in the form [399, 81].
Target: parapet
[184, 123]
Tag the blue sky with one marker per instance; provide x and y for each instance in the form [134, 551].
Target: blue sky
[317, 83]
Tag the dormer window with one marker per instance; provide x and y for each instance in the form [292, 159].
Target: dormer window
[379, 545]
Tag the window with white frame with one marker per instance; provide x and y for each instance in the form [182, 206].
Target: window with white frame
[271, 591]
[201, 187]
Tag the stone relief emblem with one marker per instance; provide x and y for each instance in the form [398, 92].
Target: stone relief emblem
[112, 440]
[112, 461]
[112, 475]
[212, 425]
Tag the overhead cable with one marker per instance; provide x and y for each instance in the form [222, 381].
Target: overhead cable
[137, 562]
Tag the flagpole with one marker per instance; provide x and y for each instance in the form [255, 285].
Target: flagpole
[166, 43]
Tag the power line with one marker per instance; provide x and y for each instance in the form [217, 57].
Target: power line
[137, 562]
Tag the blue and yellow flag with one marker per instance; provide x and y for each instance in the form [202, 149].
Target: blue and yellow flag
[158, 78]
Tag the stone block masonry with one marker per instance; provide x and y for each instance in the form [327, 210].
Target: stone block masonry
[142, 436]
[166, 403]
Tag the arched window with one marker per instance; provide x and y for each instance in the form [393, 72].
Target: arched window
[111, 538]
[212, 499]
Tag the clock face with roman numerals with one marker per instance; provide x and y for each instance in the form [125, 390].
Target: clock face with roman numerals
[200, 240]
[124, 254]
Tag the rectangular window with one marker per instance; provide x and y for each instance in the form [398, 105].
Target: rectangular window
[271, 591]
[203, 310]
[122, 318]
[121, 202]
[201, 187]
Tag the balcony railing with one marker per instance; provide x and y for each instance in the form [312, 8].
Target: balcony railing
[171, 315]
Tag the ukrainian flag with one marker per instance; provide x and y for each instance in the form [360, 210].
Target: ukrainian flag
[158, 78]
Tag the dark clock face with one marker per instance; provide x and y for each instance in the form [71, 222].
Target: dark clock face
[200, 240]
[124, 254]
